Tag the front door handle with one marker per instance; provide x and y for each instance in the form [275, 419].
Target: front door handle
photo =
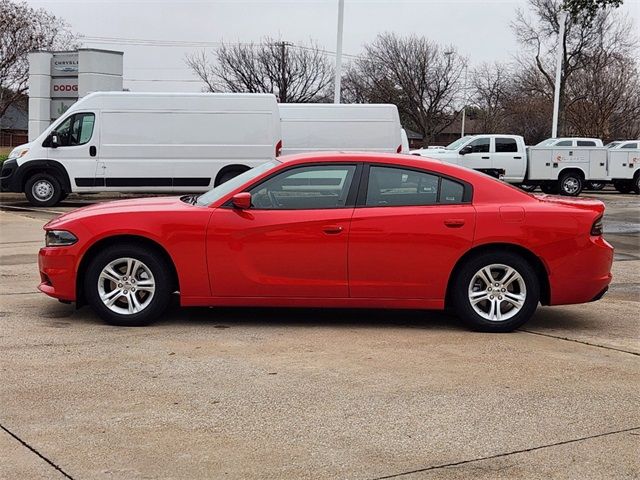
[454, 222]
[332, 229]
[92, 151]
[486, 158]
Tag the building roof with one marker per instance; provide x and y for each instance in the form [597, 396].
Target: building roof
[15, 118]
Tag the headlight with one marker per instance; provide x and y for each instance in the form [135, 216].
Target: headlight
[18, 153]
[59, 238]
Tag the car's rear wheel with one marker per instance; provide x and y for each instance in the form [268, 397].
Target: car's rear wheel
[496, 292]
[128, 285]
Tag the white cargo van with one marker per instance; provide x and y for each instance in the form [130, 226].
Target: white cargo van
[146, 142]
[312, 127]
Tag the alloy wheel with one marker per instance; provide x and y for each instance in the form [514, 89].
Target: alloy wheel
[497, 292]
[126, 286]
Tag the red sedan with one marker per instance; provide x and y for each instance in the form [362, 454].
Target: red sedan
[334, 230]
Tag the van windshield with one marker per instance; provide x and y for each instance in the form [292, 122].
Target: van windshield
[220, 191]
[458, 143]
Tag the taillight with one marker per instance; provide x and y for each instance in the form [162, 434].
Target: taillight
[278, 148]
[596, 228]
[399, 149]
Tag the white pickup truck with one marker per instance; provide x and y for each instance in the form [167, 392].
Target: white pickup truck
[562, 165]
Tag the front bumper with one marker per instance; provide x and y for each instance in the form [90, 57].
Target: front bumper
[57, 267]
[9, 176]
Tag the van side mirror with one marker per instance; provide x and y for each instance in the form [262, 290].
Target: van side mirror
[241, 200]
[52, 140]
[466, 149]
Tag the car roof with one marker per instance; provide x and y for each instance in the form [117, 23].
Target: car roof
[342, 156]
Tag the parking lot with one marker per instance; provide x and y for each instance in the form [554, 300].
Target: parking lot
[256, 393]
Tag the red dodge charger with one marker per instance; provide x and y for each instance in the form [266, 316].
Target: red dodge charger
[334, 230]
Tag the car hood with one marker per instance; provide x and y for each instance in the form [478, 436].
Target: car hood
[577, 202]
[141, 206]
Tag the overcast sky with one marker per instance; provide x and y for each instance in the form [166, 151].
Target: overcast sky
[170, 29]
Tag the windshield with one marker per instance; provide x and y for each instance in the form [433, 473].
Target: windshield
[612, 144]
[458, 143]
[227, 187]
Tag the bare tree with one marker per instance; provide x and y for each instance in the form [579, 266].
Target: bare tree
[419, 76]
[490, 88]
[587, 30]
[295, 73]
[22, 30]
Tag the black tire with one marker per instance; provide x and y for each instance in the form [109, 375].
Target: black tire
[571, 184]
[597, 186]
[623, 186]
[228, 175]
[151, 260]
[636, 184]
[64, 196]
[43, 190]
[462, 283]
[549, 188]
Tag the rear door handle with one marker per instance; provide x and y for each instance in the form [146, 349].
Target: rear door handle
[332, 229]
[454, 222]
[486, 158]
[518, 158]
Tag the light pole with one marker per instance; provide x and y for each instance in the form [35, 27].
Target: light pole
[562, 18]
[338, 72]
[464, 106]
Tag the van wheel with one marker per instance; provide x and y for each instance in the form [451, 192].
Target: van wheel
[228, 175]
[571, 184]
[496, 292]
[43, 190]
[128, 285]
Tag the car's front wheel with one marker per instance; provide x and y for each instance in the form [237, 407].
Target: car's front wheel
[496, 292]
[128, 285]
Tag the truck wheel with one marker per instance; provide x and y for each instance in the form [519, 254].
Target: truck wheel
[550, 188]
[43, 190]
[623, 186]
[636, 183]
[571, 184]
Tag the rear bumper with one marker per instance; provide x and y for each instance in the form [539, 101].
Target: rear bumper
[583, 275]
[57, 273]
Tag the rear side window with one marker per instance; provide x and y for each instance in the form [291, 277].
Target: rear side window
[388, 187]
[630, 145]
[586, 143]
[504, 145]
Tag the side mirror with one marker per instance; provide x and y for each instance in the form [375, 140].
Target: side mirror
[466, 149]
[52, 140]
[241, 200]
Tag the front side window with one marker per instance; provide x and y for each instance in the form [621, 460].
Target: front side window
[75, 130]
[389, 186]
[586, 143]
[564, 143]
[313, 187]
[480, 145]
[504, 145]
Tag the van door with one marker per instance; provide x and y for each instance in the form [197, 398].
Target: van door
[76, 149]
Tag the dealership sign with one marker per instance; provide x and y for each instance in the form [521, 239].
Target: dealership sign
[64, 87]
[64, 65]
